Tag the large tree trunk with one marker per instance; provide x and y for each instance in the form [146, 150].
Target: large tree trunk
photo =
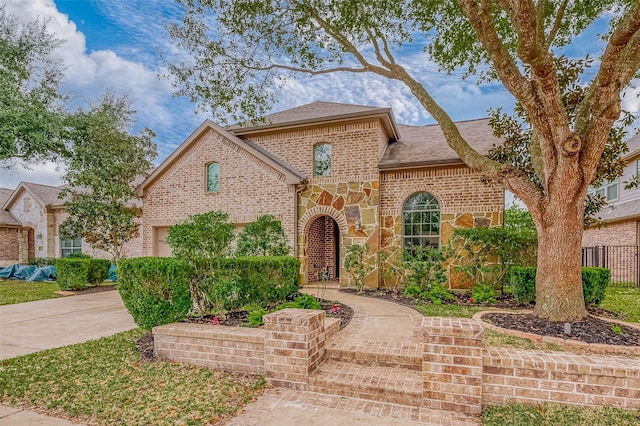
[559, 294]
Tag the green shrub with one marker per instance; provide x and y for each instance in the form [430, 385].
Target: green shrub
[307, 301]
[256, 315]
[155, 290]
[263, 280]
[483, 293]
[523, 284]
[77, 255]
[264, 237]
[42, 261]
[78, 273]
[594, 283]
[436, 293]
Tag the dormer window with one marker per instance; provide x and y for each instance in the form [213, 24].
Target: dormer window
[322, 159]
[213, 177]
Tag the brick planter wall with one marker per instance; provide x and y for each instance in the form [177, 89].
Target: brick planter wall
[294, 346]
[223, 348]
[453, 349]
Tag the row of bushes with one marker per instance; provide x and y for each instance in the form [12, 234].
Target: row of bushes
[594, 283]
[78, 273]
[157, 290]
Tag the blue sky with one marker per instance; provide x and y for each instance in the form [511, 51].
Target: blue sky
[117, 45]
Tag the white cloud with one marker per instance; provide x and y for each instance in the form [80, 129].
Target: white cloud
[47, 173]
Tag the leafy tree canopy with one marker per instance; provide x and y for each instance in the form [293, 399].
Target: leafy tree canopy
[106, 163]
[241, 51]
[32, 108]
[264, 237]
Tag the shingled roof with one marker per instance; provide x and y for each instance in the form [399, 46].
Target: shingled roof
[6, 218]
[317, 112]
[426, 145]
[47, 195]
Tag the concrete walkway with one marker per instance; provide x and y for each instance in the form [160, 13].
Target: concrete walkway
[33, 326]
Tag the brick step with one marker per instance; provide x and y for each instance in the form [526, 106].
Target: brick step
[395, 385]
[375, 352]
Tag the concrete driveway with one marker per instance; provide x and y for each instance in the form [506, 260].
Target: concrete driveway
[44, 324]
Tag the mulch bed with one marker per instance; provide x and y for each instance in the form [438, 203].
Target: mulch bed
[588, 330]
[96, 289]
[240, 318]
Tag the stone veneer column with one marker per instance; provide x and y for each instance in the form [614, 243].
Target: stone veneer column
[293, 346]
[452, 364]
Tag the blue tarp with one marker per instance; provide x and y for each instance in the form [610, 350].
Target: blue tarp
[112, 273]
[28, 273]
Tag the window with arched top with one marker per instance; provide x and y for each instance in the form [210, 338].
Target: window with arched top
[421, 221]
[213, 177]
[322, 159]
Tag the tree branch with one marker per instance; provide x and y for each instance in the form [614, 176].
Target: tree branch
[556, 25]
[305, 70]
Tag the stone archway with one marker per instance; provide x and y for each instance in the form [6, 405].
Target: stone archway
[26, 244]
[321, 233]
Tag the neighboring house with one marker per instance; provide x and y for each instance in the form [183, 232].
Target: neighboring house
[615, 244]
[621, 215]
[30, 218]
[334, 175]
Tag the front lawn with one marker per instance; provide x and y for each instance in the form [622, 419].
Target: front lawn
[16, 291]
[623, 300]
[555, 414]
[105, 382]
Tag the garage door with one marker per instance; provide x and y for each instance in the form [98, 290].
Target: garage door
[161, 248]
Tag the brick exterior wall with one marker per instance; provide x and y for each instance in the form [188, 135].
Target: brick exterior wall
[9, 248]
[354, 147]
[248, 188]
[624, 233]
[321, 248]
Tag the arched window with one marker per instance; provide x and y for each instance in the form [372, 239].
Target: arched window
[213, 177]
[421, 221]
[322, 159]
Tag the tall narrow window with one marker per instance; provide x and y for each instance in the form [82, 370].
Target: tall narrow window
[70, 246]
[421, 221]
[213, 177]
[322, 159]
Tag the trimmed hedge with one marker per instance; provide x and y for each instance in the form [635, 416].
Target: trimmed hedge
[156, 290]
[78, 273]
[594, 283]
[259, 280]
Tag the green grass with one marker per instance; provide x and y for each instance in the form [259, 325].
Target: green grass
[458, 311]
[554, 414]
[15, 291]
[105, 382]
[623, 300]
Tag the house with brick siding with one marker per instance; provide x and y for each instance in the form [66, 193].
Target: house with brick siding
[334, 175]
[620, 227]
[30, 218]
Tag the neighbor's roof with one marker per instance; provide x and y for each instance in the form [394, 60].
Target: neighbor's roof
[426, 145]
[634, 147]
[47, 195]
[291, 175]
[615, 212]
[7, 218]
[319, 112]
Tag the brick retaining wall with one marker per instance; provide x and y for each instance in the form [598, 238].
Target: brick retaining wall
[458, 373]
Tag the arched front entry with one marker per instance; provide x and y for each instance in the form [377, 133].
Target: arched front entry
[323, 249]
